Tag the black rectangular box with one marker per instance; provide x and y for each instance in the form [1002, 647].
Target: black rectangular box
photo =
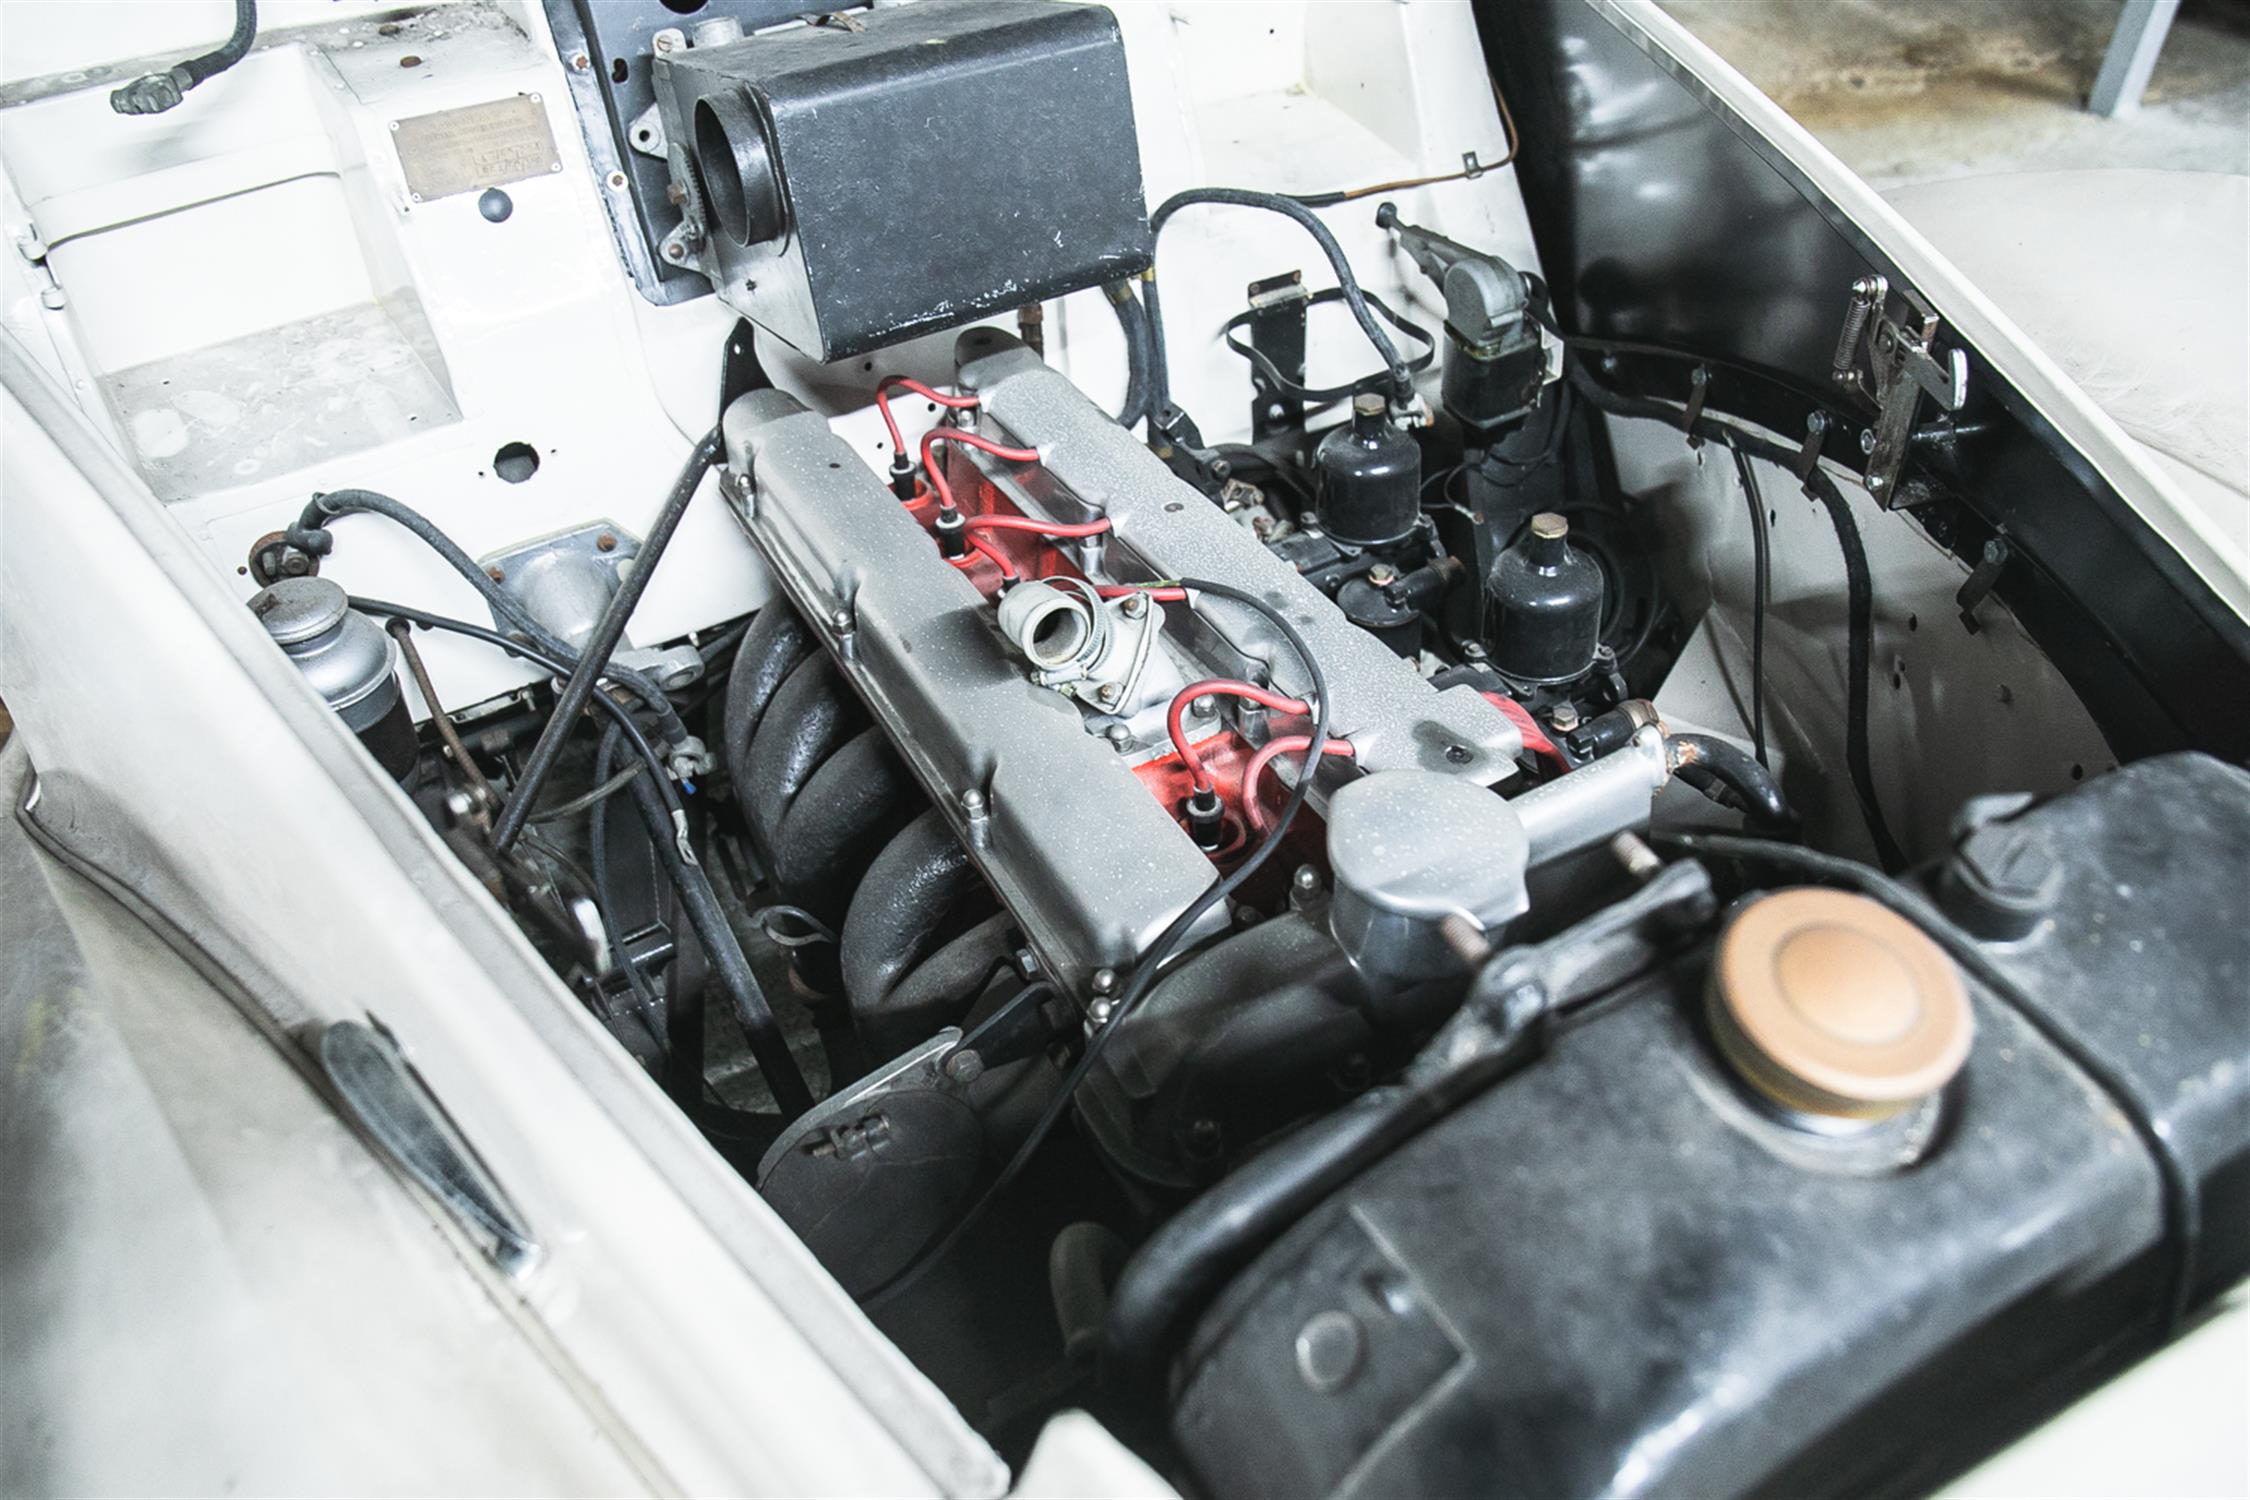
[949, 160]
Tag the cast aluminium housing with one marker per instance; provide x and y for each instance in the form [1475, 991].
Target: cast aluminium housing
[1090, 863]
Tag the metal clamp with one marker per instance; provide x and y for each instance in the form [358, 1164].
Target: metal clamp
[1901, 367]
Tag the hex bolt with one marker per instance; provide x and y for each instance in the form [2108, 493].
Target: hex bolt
[1382, 575]
[1120, 738]
[972, 803]
[840, 621]
[1103, 981]
[964, 1066]
[1306, 881]
[1136, 605]
[1203, 707]
[1867, 440]
[607, 541]
[1109, 694]
[1473, 651]
[1563, 717]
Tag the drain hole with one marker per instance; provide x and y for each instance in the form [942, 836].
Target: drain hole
[516, 462]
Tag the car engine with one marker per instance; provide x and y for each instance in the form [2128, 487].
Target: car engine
[1344, 946]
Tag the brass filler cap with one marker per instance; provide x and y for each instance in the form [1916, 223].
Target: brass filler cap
[1831, 1003]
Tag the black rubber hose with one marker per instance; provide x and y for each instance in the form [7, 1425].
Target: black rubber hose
[158, 92]
[1754, 787]
[2183, 1209]
[597, 853]
[1180, 1268]
[311, 536]
[608, 631]
[1160, 384]
[661, 811]
[623, 718]
[1858, 585]
[1761, 581]
[1132, 321]
[724, 952]
[1859, 648]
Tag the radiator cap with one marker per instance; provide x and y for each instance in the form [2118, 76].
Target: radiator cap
[1832, 1004]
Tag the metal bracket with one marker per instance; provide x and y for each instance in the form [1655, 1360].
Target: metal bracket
[1699, 387]
[1808, 453]
[1902, 366]
[1981, 581]
[1277, 331]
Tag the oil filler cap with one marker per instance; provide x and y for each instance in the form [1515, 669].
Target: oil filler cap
[1832, 1004]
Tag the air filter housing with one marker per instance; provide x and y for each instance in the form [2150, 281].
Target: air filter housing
[948, 160]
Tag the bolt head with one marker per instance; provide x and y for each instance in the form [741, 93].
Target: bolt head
[1136, 605]
[1867, 440]
[964, 1066]
[497, 575]
[1203, 707]
[1382, 575]
[675, 251]
[972, 802]
[1564, 717]
[1473, 651]
[1103, 981]
[1120, 738]
[580, 62]
[1109, 693]
[840, 621]
[606, 542]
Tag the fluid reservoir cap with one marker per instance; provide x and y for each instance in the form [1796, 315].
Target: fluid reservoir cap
[297, 609]
[1831, 1003]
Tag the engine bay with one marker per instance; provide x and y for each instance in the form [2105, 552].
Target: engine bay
[1519, 902]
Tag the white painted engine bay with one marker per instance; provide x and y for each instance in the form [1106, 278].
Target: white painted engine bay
[1005, 1098]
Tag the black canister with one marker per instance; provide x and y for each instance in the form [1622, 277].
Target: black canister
[1546, 605]
[1370, 478]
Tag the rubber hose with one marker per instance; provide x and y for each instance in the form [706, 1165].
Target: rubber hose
[1737, 771]
[609, 630]
[158, 92]
[1402, 380]
[1858, 585]
[1132, 321]
[313, 538]
[723, 951]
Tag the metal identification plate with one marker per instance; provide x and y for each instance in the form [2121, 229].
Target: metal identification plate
[477, 146]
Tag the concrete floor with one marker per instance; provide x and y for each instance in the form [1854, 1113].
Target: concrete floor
[1912, 91]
